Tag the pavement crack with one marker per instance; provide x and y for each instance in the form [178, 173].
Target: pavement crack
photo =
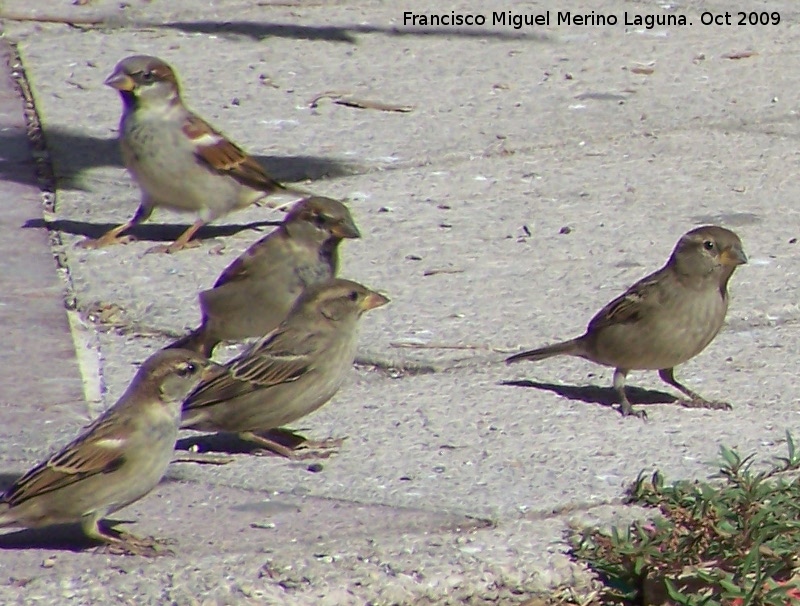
[85, 342]
[552, 513]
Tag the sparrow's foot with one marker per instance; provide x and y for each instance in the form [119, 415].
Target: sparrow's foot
[202, 458]
[317, 449]
[298, 448]
[308, 455]
[303, 448]
[313, 449]
[699, 402]
[326, 444]
[626, 410]
[104, 241]
[124, 543]
[170, 249]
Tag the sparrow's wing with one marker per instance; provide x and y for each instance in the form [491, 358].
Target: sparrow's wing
[218, 153]
[100, 449]
[284, 355]
[630, 305]
[241, 267]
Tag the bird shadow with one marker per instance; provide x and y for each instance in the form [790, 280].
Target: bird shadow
[346, 33]
[58, 537]
[65, 537]
[73, 153]
[231, 443]
[150, 232]
[592, 394]
[7, 479]
[16, 163]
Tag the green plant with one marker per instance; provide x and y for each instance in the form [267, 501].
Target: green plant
[734, 541]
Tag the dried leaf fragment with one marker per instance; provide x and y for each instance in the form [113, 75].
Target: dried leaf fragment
[348, 100]
[735, 55]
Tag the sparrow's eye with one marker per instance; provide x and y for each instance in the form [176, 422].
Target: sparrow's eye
[708, 245]
[188, 369]
[148, 77]
[319, 220]
[353, 296]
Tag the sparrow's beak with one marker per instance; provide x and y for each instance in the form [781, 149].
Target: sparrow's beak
[373, 300]
[733, 256]
[346, 229]
[120, 81]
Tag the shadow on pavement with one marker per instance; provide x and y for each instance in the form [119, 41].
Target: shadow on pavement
[7, 479]
[60, 537]
[14, 144]
[150, 232]
[592, 394]
[345, 33]
[231, 443]
[79, 152]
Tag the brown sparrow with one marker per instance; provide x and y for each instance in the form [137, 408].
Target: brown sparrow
[664, 319]
[117, 459]
[179, 161]
[256, 291]
[290, 372]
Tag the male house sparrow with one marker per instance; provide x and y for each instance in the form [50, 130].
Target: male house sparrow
[256, 291]
[117, 459]
[290, 372]
[664, 319]
[179, 161]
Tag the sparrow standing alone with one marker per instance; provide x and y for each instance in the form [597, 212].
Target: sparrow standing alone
[257, 290]
[664, 319]
[179, 161]
[117, 459]
[290, 372]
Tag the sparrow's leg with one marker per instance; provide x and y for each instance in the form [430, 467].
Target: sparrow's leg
[202, 458]
[183, 241]
[695, 399]
[625, 407]
[121, 543]
[113, 236]
[296, 441]
[265, 442]
[280, 449]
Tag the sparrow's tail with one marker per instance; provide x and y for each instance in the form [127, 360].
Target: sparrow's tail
[573, 347]
[198, 341]
[6, 519]
[283, 196]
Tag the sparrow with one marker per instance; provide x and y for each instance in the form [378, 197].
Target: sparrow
[117, 459]
[255, 292]
[290, 372]
[664, 319]
[178, 160]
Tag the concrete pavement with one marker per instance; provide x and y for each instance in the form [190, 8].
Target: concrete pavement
[458, 477]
